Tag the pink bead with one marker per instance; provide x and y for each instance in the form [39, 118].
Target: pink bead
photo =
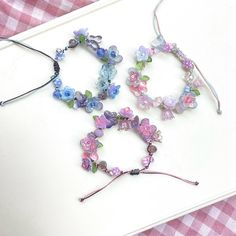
[145, 161]
[94, 156]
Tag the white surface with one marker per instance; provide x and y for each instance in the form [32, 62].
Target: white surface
[40, 174]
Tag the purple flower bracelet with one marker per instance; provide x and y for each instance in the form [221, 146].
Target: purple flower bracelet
[106, 88]
[125, 120]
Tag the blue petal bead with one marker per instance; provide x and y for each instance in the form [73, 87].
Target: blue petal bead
[113, 90]
[57, 94]
[108, 71]
[67, 94]
[60, 55]
[57, 82]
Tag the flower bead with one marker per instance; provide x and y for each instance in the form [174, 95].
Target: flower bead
[102, 85]
[167, 114]
[93, 103]
[80, 99]
[124, 125]
[142, 54]
[169, 103]
[57, 82]
[157, 101]
[101, 122]
[89, 144]
[147, 131]
[140, 89]
[145, 102]
[113, 55]
[113, 90]
[134, 77]
[188, 100]
[108, 72]
[126, 112]
[57, 94]
[135, 122]
[112, 117]
[83, 31]
[60, 54]
[87, 164]
[67, 94]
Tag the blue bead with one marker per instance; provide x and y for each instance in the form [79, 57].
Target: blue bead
[113, 54]
[101, 52]
[57, 94]
[57, 82]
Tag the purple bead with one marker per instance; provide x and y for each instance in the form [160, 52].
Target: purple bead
[147, 160]
[102, 165]
[187, 64]
[98, 132]
[115, 171]
[151, 149]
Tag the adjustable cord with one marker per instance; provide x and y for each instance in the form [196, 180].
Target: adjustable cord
[55, 66]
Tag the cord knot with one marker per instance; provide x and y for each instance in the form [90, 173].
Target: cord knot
[134, 172]
[56, 67]
[1, 103]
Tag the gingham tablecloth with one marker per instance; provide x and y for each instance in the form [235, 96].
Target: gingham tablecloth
[218, 219]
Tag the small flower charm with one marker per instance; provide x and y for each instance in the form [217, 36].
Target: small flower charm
[113, 55]
[113, 90]
[93, 104]
[89, 144]
[126, 112]
[145, 102]
[142, 54]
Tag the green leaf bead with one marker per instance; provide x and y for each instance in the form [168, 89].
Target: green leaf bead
[100, 145]
[82, 38]
[94, 167]
[88, 94]
[140, 65]
[70, 103]
[149, 59]
[95, 117]
[145, 78]
[196, 92]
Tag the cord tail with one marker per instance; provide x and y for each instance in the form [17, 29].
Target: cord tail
[170, 175]
[212, 89]
[100, 189]
[137, 172]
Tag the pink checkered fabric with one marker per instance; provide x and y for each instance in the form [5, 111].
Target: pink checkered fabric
[18, 15]
[218, 219]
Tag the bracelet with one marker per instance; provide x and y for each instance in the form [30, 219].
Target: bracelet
[125, 120]
[106, 88]
[137, 82]
[56, 68]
